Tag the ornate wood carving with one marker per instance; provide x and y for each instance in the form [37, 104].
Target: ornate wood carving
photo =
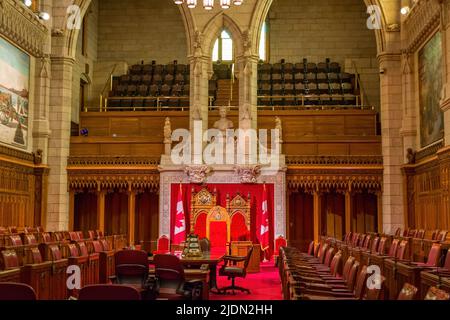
[22, 26]
[239, 205]
[333, 160]
[22, 189]
[201, 202]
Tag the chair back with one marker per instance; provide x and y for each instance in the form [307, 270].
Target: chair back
[169, 271]
[421, 234]
[435, 234]
[393, 248]
[163, 243]
[30, 239]
[398, 232]
[437, 294]
[434, 255]
[382, 246]
[9, 260]
[361, 282]
[447, 261]
[109, 292]
[374, 246]
[105, 245]
[352, 276]
[131, 266]
[347, 267]
[317, 250]
[408, 292]
[401, 250]
[16, 240]
[97, 246]
[311, 248]
[10, 291]
[322, 252]
[329, 255]
[74, 236]
[336, 264]
[280, 242]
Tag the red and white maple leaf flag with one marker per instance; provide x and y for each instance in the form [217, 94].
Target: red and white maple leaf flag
[180, 220]
[264, 230]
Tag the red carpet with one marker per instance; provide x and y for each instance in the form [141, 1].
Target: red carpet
[264, 285]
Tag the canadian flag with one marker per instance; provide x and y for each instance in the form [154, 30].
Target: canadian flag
[264, 231]
[180, 220]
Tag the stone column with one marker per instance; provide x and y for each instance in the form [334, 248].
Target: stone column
[59, 142]
[199, 87]
[71, 209]
[248, 91]
[392, 144]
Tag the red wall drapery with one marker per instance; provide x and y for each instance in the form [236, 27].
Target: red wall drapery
[256, 193]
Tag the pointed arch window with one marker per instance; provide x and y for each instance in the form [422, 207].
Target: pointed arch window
[223, 48]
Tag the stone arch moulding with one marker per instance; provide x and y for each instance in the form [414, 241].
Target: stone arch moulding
[213, 29]
[189, 26]
[262, 9]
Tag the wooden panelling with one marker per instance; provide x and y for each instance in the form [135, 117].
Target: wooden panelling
[22, 189]
[426, 186]
[323, 132]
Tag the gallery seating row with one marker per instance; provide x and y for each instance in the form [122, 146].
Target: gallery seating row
[397, 260]
[305, 66]
[154, 68]
[44, 264]
[319, 275]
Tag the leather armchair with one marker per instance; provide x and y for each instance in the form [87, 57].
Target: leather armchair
[233, 271]
[170, 280]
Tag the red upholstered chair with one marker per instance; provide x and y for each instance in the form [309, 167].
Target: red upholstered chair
[437, 294]
[10, 291]
[40, 229]
[398, 232]
[9, 260]
[55, 252]
[30, 239]
[92, 235]
[401, 250]
[421, 234]
[393, 248]
[435, 234]
[97, 245]
[131, 267]
[109, 292]
[171, 283]
[433, 256]
[105, 244]
[45, 237]
[80, 235]
[74, 236]
[279, 242]
[311, 248]
[163, 245]
[15, 240]
[408, 292]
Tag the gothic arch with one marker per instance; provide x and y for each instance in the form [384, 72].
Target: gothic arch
[213, 29]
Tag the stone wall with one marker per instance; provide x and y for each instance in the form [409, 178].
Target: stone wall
[320, 29]
[86, 61]
[136, 30]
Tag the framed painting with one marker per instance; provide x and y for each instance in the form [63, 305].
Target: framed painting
[430, 91]
[14, 94]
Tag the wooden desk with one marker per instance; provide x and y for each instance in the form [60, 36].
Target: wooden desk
[397, 273]
[240, 248]
[430, 279]
[195, 274]
[196, 262]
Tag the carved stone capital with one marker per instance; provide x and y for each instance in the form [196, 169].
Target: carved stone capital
[248, 174]
[197, 174]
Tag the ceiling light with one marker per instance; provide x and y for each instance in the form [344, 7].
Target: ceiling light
[405, 10]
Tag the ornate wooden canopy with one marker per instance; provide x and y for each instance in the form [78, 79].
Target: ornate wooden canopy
[239, 205]
[201, 202]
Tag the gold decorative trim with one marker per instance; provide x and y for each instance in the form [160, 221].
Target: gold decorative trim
[421, 22]
[334, 160]
[100, 161]
[20, 25]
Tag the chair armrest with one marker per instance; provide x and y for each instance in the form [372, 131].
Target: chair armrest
[113, 279]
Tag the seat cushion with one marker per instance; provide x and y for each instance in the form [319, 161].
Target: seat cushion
[233, 271]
